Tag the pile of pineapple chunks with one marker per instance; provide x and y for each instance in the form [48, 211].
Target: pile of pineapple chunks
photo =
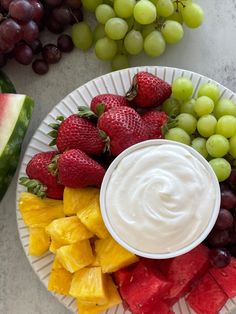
[85, 253]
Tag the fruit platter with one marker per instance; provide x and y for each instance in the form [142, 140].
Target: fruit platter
[60, 220]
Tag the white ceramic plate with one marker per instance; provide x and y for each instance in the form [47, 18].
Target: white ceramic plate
[117, 83]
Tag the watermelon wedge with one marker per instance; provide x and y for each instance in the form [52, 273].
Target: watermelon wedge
[6, 85]
[226, 278]
[15, 113]
[207, 297]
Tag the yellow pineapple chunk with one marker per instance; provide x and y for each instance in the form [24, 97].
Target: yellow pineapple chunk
[60, 281]
[39, 241]
[54, 246]
[75, 256]
[56, 264]
[68, 230]
[91, 217]
[37, 212]
[88, 285]
[95, 262]
[113, 299]
[75, 200]
[112, 256]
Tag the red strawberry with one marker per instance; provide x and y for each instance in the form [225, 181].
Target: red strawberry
[148, 90]
[79, 133]
[123, 127]
[77, 170]
[41, 181]
[155, 121]
[109, 101]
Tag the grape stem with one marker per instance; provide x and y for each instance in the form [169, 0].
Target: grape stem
[177, 4]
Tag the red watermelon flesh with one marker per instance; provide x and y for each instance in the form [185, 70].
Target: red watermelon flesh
[207, 297]
[123, 276]
[145, 284]
[154, 306]
[226, 278]
[183, 271]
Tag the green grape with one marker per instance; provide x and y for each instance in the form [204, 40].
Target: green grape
[199, 144]
[226, 126]
[91, 5]
[82, 35]
[120, 62]
[145, 12]
[154, 44]
[192, 15]
[171, 107]
[148, 29]
[232, 146]
[137, 26]
[124, 8]
[217, 145]
[110, 2]
[224, 107]
[133, 42]
[176, 16]
[178, 135]
[187, 122]
[172, 31]
[203, 105]
[182, 88]
[221, 167]
[154, 2]
[103, 13]
[116, 28]
[209, 90]
[206, 125]
[188, 107]
[106, 49]
[165, 8]
[99, 32]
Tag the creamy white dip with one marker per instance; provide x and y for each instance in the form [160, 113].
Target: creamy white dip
[159, 199]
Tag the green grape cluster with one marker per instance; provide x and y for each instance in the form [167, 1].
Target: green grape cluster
[128, 27]
[207, 123]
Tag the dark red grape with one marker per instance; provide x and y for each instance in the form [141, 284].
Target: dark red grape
[5, 46]
[224, 186]
[5, 4]
[23, 54]
[76, 16]
[228, 199]
[65, 43]
[36, 46]
[53, 26]
[30, 31]
[219, 238]
[3, 60]
[51, 54]
[21, 10]
[37, 10]
[53, 3]
[11, 31]
[232, 237]
[73, 4]
[40, 66]
[225, 220]
[220, 257]
[232, 178]
[61, 15]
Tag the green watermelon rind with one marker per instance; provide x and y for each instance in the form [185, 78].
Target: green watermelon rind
[6, 85]
[10, 157]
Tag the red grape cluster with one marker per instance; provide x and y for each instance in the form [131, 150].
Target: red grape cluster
[222, 238]
[21, 22]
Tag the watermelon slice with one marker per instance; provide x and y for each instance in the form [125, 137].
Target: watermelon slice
[144, 286]
[154, 306]
[207, 297]
[226, 278]
[6, 85]
[15, 113]
[123, 276]
[183, 271]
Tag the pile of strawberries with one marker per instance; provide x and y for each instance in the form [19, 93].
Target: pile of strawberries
[88, 141]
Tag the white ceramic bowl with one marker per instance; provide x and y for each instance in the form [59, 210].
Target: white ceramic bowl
[137, 250]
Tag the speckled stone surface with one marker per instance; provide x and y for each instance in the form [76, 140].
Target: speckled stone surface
[210, 50]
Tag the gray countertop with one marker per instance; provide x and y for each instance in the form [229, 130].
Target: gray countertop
[210, 50]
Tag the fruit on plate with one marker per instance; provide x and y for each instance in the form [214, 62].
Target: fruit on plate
[6, 85]
[148, 90]
[122, 127]
[75, 200]
[112, 256]
[207, 296]
[38, 212]
[40, 180]
[39, 241]
[109, 101]
[155, 123]
[77, 133]
[15, 114]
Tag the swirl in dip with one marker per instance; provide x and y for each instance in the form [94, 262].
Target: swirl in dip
[160, 198]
